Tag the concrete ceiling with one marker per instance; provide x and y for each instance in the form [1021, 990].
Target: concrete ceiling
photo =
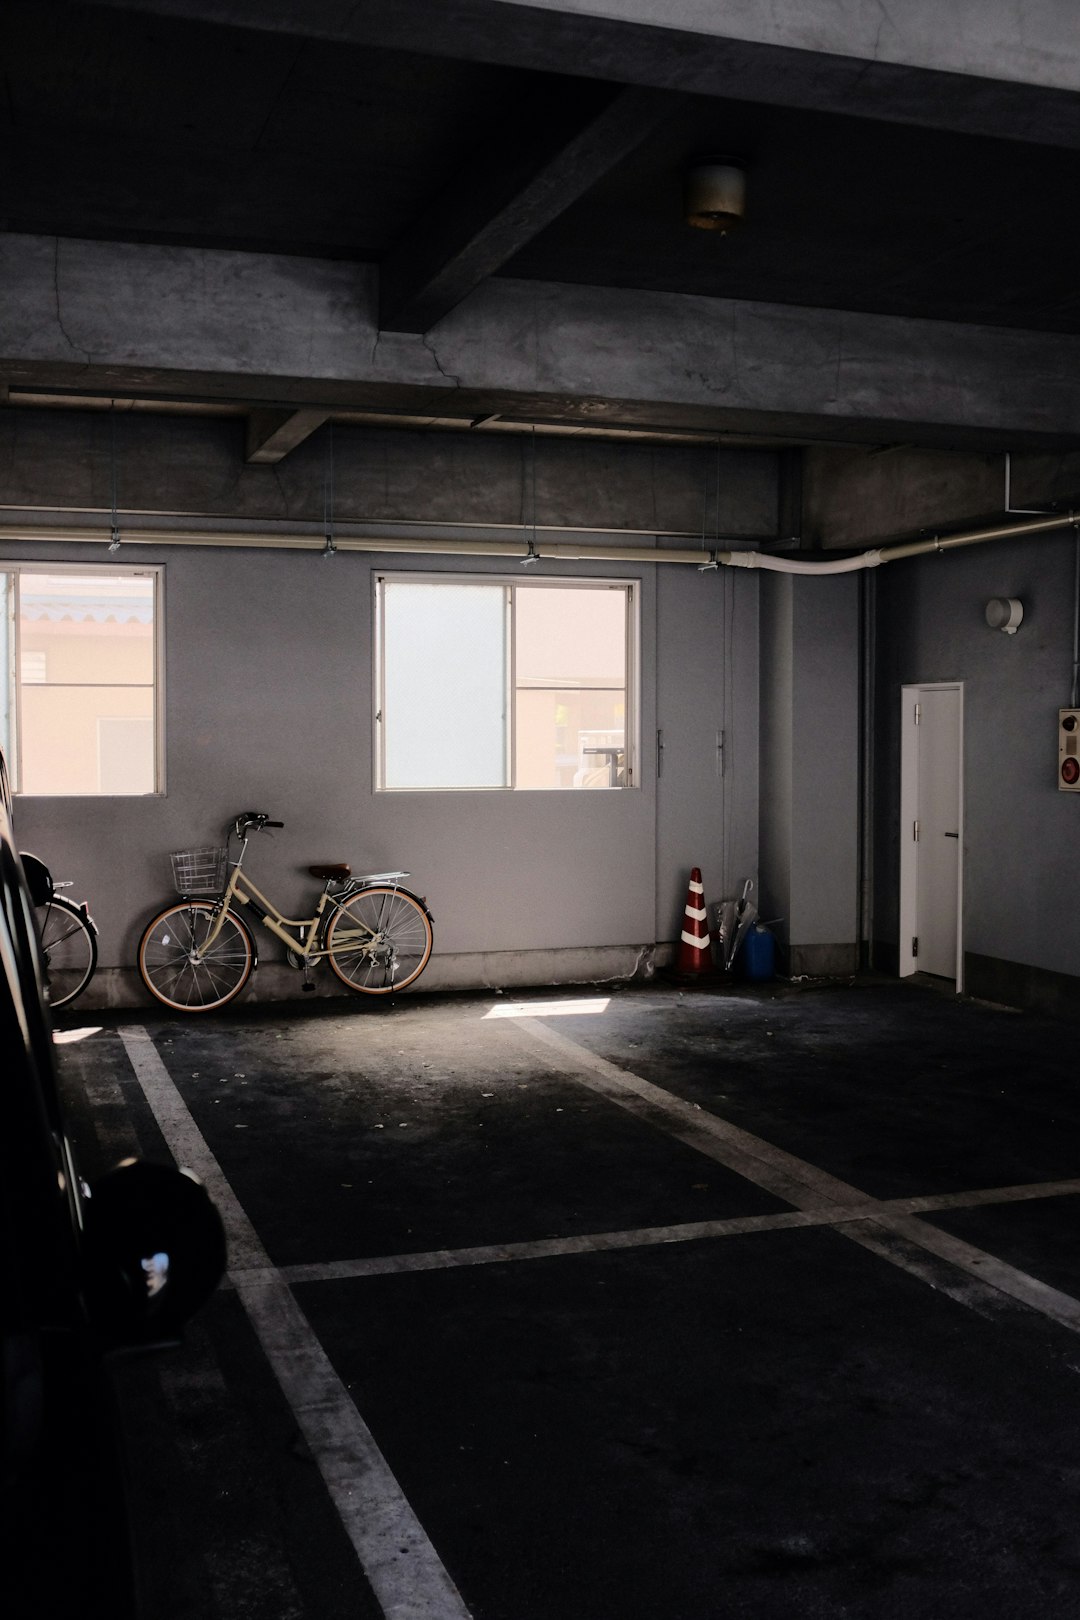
[157, 128]
[460, 146]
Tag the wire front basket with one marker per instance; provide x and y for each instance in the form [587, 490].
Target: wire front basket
[199, 871]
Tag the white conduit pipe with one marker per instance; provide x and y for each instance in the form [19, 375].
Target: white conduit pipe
[914, 548]
[557, 550]
[799, 565]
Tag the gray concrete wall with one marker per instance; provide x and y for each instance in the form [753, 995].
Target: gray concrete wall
[268, 705]
[1021, 881]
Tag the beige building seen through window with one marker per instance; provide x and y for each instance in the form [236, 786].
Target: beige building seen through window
[81, 699]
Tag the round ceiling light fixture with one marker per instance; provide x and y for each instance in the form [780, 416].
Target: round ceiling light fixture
[714, 194]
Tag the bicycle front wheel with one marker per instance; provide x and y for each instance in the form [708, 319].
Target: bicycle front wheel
[178, 968]
[68, 949]
[379, 940]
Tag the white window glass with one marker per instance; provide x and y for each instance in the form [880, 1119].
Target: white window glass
[80, 706]
[444, 690]
[450, 653]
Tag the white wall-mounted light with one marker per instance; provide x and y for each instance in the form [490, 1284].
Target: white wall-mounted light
[1005, 613]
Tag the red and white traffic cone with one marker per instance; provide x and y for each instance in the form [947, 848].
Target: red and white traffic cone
[695, 944]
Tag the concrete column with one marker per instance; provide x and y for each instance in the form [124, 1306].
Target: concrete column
[808, 819]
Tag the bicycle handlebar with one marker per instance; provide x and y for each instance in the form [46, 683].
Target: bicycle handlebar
[253, 818]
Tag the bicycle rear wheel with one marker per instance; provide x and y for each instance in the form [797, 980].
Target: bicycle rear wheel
[178, 971]
[379, 940]
[68, 948]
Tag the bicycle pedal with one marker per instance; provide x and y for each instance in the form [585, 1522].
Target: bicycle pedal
[309, 986]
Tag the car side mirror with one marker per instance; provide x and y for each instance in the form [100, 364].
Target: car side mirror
[154, 1249]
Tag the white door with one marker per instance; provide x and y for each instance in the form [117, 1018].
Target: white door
[931, 832]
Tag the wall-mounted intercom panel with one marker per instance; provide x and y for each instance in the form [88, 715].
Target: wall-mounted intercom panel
[1069, 750]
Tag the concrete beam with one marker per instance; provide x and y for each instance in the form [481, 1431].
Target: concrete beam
[865, 497]
[858, 497]
[988, 67]
[123, 318]
[188, 468]
[272, 434]
[991, 39]
[503, 199]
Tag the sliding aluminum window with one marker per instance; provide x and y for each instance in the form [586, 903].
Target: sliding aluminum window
[484, 682]
[80, 710]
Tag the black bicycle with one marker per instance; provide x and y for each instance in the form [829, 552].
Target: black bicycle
[66, 931]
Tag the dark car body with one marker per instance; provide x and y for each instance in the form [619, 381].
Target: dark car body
[72, 1299]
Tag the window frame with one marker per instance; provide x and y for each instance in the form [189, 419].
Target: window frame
[510, 583]
[155, 572]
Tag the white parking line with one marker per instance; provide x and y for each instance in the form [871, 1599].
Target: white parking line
[969, 1275]
[405, 1572]
[642, 1237]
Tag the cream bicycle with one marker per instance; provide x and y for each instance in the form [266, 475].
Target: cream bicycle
[199, 954]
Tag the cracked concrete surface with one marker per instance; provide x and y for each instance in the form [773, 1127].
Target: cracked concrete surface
[68, 339]
[429, 344]
[203, 319]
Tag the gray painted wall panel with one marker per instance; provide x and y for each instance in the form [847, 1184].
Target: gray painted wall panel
[269, 684]
[707, 673]
[1022, 883]
[269, 680]
[269, 707]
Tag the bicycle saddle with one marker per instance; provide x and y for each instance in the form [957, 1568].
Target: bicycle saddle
[38, 878]
[340, 870]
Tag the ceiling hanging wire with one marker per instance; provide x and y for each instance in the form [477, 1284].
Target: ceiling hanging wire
[719, 453]
[329, 548]
[532, 555]
[714, 560]
[114, 532]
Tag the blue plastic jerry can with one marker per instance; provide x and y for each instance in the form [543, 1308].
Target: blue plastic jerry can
[759, 954]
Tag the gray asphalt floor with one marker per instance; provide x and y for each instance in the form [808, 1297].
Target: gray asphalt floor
[656, 1303]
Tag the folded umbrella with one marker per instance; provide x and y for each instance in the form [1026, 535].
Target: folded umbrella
[737, 917]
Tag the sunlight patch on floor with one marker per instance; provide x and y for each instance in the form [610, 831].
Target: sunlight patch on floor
[549, 1009]
[63, 1037]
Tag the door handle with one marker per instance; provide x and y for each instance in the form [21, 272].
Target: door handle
[952, 835]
